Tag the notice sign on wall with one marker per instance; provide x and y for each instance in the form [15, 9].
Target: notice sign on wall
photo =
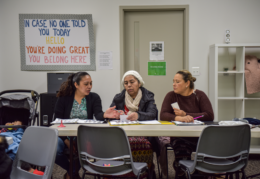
[57, 42]
[105, 60]
[156, 68]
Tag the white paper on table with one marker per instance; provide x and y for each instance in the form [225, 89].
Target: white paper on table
[105, 60]
[65, 121]
[195, 122]
[119, 122]
[149, 122]
[230, 123]
[157, 50]
[88, 121]
[76, 121]
[81, 121]
[175, 105]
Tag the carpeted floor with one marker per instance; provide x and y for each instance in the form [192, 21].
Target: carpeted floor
[252, 168]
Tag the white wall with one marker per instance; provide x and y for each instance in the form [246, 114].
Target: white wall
[208, 20]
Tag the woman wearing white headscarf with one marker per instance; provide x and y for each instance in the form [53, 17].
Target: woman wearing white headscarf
[136, 101]
[139, 104]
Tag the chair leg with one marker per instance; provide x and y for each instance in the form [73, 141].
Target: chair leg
[237, 175]
[226, 176]
[83, 175]
[167, 170]
[139, 173]
[231, 176]
[243, 174]
[176, 173]
[188, 173]
[148, 173]
[158, 166]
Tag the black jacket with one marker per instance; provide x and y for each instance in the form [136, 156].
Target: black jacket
[64, 105]
[147, 107]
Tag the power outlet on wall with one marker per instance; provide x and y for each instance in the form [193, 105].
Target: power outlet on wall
[195, 71]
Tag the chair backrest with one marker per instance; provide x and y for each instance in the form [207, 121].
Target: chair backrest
[104, 143]
[38, 147]
[218, 143]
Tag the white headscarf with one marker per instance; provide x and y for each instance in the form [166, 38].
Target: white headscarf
[135, 74]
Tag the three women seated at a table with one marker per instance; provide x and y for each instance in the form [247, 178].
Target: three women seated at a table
[75, 100]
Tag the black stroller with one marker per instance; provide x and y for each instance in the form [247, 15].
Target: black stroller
[16, 107]
[19, 107]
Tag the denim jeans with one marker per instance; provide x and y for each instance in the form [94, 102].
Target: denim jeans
[61, 158]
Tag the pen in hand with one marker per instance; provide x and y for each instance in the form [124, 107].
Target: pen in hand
[121, 112]
[198, 117]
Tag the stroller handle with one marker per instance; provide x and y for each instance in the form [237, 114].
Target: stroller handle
[20, 91]
[35, 97]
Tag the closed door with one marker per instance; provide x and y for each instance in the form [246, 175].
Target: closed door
[140, 29]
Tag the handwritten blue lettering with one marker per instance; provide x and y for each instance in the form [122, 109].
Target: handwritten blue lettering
[44, 32]
[61, 32]
[64, 23]
[26, 23]
[53, 23]
[77, 23]
[38, 23]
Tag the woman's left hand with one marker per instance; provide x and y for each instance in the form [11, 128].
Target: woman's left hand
[133, 116]
[179, 112]
[111, 113]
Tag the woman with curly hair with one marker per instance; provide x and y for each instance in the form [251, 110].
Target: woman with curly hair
[76, 101]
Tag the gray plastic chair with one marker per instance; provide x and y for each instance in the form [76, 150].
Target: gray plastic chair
[38, 147]
[105, 145]
[221, 149]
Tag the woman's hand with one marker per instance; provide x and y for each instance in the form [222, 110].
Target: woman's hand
[133, 116]
[8, 124]
[179, 112]
[67, 143]
[111, 113]
[187, 118]
[119, 112]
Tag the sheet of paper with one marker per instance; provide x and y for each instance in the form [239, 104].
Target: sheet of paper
[88, 121]
[157, 50]
[196, 122]
[65, 121]
[105, 60]
[119, 122]
[149, 122]
[175, 105]
[229, 123]
[78, 121]
[123, 118]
